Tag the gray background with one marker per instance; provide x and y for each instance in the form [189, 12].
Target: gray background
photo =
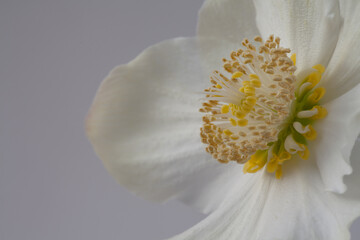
[53, 55]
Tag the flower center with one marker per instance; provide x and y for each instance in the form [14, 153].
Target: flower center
[257, 112]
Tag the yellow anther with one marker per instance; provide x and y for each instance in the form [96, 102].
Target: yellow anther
[237, 75]
[246, 83]
[278, 172]
[254, 76]
[322, 112]
[250, 100]
[320, 68]
[246, 108]
[240, 115]
[248, 90]
[234, 107]
[234, 137]
[227, 132]
[310, 135]
[260, 157]
[242, 89]
[242, 122]
[272, 165]
[316, 95]
[248, 104]
[218, 86]
[256, 83]
[304, 154]
[225, 109]
[314, 79]
[248, 166]
[233, 122]
[293, 58]
[283, 156]
[256, 162]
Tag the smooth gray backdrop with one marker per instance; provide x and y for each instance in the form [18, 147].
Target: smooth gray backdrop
[53, 56]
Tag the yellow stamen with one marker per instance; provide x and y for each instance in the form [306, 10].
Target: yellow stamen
[255, 80]
[293, 58]
[256, 83]
[250, 91]
[242, 122]
[250, 100]
[283, 156]
[246, 83]
[320, 68]
[256, 162]
[316, 95]
[322, 112]
[246, 108]
[304, 154]
[310, 135]
[225, 109]
[278, 173]
[272, 165]
[234, 137]
[237, 75]
[314, 79]
[227, 132]
[240, 115]
[233, 122]
[254, 76]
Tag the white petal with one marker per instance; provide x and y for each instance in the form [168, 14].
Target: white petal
[230, 20]
[144, 124]
[295, 207]
[343, 70]
[309, 28]
[337, 133]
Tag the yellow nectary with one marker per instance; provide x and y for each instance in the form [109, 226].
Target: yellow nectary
[260, 114]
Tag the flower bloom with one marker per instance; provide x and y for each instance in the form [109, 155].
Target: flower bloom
[281, 114]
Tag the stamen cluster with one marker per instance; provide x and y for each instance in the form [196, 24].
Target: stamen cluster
[250, 106]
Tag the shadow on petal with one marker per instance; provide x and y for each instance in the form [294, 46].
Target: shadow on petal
[352, 181]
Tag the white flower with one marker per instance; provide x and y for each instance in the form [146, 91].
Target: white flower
[144, 124]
